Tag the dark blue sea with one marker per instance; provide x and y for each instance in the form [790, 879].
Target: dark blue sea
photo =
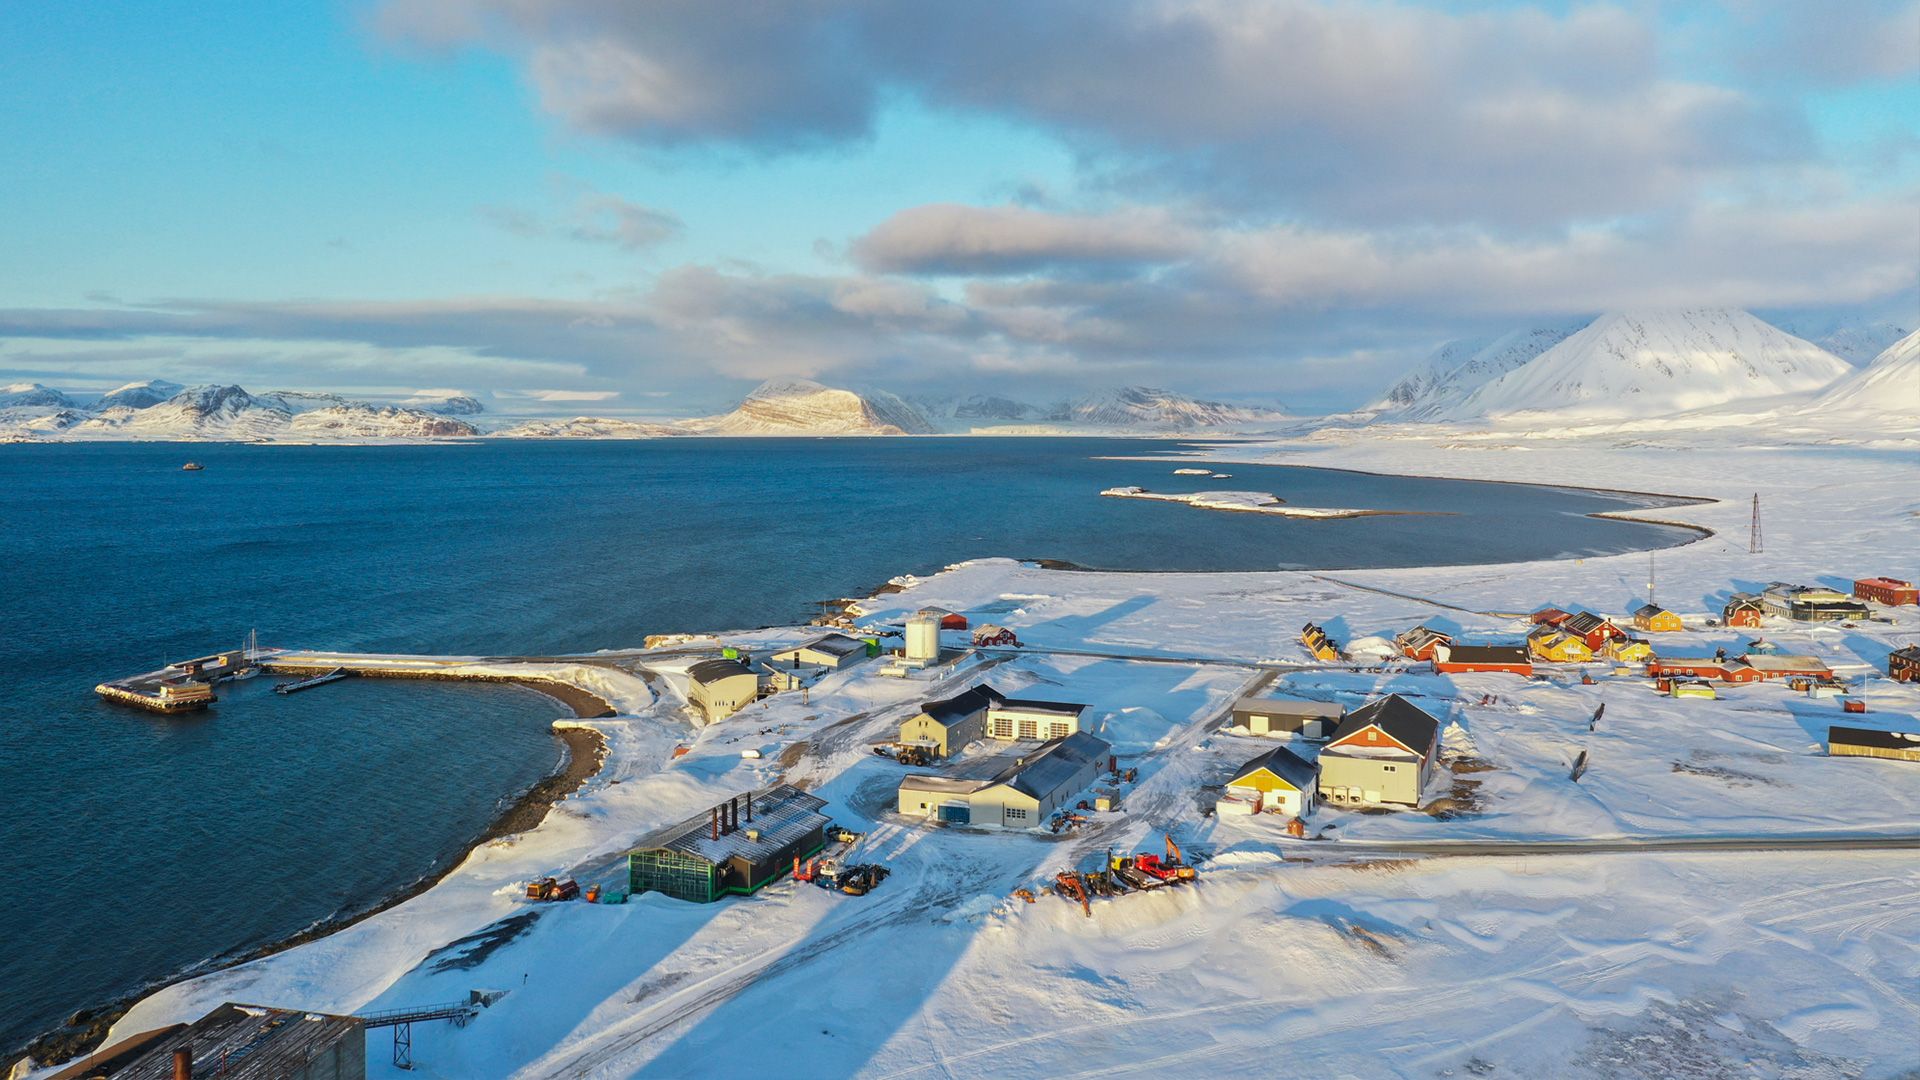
[133, 847]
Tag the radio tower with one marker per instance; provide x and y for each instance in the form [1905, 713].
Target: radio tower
[1753, 532]
[1650, 598]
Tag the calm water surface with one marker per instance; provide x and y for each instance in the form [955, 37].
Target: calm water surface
[135, 846]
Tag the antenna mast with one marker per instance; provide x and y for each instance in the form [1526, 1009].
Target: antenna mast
[1753, 531]
[1650, 598]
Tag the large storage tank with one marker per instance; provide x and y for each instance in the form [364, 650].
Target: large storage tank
[923, 636]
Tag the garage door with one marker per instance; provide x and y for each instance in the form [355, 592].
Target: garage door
[956, 813]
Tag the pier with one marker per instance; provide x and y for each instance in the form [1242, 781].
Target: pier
[183, 686]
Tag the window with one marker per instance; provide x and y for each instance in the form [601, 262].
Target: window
[1372, 735]
[1016, 813]
[1389, 768]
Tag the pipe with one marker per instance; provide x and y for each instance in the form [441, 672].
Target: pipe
[715, 812]
[749, 807]
[183, 1063]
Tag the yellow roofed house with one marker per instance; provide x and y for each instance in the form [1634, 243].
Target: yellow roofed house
[1557, 647]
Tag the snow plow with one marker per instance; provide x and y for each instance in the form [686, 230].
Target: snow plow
[552, 890]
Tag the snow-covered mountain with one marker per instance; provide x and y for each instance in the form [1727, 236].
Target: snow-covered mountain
[1635, 364]
[1458, 368]
[1148, 408]
[446, 405]
[588, 427]
[138, 395]
[33, 396]
[1860, 344]
[1887, 388]
[804, 407]
[226, 412]
[969, 410]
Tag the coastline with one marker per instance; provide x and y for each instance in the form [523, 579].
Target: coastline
[583, 753]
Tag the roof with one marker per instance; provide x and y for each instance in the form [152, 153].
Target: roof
[1063, 708]
[1650, 610]
[1586, 622]
[1892, 582]
[1282, 763]
[1054, 764]
[950, 711]
[1550, 615]
[1288, 707]
[708, 671]
[1779, 662]
[838, 644]
[1743, 599]
[1402, 720]
[782, 815]
[1882, 740]
[252, 1042]
[1911, 652]
[1486, 654]
[943, 785]
[1422, 634]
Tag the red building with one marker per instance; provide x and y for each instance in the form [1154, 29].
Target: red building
[1703, 667]
[1419, 642]
[1595, 630]
[1745, 609]
[1904, 664]
[1885, 590]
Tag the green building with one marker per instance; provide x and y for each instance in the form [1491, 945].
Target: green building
[736, 847]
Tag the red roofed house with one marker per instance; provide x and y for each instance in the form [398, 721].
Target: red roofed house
[1419, 642]
[1550, 616]
[1744, 609]
[1595, 630]
[1459, 659]
[1885, 590]
[1730, 670]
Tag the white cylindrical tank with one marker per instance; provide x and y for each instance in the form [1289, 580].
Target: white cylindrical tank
[923, 636]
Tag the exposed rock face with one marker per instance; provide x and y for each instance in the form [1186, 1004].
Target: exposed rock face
[804, 407]
[33, 395]
[457, 405]
[139, 395]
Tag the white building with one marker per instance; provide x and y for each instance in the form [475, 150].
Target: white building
[1031, 719]
[719, 688]
[1023, 795]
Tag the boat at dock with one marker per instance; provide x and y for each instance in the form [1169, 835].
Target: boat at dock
[312, 681]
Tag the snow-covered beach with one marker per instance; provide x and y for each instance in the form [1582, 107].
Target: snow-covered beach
[1364, 966]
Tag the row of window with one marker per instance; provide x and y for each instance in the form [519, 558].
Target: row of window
[1003, 728]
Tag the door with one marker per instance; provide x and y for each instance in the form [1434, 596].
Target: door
[1310, 729]
[956, 813]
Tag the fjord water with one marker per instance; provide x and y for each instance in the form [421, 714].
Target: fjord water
[136, 846]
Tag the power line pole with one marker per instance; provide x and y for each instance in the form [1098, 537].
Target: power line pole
[1650, 598]
[1753, 532]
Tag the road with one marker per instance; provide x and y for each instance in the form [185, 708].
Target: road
[1609, 845]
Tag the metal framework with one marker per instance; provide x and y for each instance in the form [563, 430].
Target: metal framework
[1753, 531]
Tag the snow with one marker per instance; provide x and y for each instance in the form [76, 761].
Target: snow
[586, 427]
[230, 413]
[1642, 364]
[1458, 368]
[792, 406]
[1253, 502]
[1889, 387]
[1344, 963]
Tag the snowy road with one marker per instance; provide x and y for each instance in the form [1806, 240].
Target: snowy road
[1612, 845]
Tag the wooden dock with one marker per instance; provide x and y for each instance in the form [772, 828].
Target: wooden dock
[183, 686]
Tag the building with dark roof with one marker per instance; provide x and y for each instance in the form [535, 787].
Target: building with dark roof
[1868, 742]
[1287, 718]
[1277, 782]
[947, 726]
[721, 687]
[1811, 603]
[1743, 609]
[1595, 630]
[734, 848]
[1655, 619]
[1022, 794]
[1419, 642]
[1461, 659]
[1904, 664]
[828, 650]
[241, 1042]
[1383, 754]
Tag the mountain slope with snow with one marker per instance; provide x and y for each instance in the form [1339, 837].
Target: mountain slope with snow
[33, 396]
[1150, 408]
[1888, 387]
[230, 412]
[588, 427]
[804, 407]
[138, 395]
[1633, 364]
[1458, 368]
[1860, 344]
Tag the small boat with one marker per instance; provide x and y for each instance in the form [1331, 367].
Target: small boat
[192, 466]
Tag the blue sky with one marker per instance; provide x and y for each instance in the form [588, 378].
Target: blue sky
[658, 205]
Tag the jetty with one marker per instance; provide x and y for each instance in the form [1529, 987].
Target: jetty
[182, 686]
[312, 681]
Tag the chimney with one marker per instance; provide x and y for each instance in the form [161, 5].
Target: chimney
[716, 822]
[183, 1063]
[749, 807]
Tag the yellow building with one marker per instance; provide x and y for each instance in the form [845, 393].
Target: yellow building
[1279, 781]
[1557, 647]
[1655, 619]
[1629, 650]
[1318, 644]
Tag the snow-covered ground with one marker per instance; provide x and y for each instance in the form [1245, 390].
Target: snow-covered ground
[1289, 957]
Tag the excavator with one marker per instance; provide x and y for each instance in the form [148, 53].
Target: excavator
[1070, 887]
[1147, 870]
